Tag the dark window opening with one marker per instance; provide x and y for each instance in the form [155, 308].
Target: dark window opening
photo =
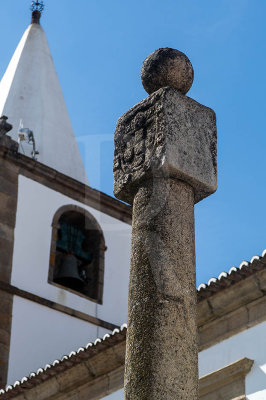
[77, 254]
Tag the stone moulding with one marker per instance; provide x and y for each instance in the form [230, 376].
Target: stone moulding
[93, 372]
[237, 303]
[23, 165]
[98, 370]
[227, 383]
[11, 290]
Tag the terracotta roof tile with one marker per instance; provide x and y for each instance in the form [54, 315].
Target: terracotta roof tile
[75, 357]
[204, 291]
[234, 275]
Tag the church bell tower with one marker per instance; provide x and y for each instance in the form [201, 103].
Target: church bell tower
[32, 98]
[64, 247]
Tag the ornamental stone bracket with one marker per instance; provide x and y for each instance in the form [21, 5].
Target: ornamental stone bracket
[4, 125]
[5, 140]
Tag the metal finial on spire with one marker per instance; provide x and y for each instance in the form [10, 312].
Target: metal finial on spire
[37, 8]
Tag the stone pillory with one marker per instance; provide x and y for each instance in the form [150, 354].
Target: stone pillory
[167, 133]
[165, 162]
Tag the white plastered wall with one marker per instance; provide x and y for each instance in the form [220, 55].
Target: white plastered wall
[37, 205]
[250, 343]
[40, 336]
[119, 395]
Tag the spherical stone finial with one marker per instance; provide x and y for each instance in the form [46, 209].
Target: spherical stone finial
[167, 67]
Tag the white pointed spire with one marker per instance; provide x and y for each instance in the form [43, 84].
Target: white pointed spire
[30, 95]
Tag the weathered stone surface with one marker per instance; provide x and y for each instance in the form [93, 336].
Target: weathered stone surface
[161, 357]
[7, 142]
[8, 208]
[167, 134]
[4, 125]
[165, 161]
[5, 330]
[167, 67]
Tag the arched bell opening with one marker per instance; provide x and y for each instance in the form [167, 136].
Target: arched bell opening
[77, 252]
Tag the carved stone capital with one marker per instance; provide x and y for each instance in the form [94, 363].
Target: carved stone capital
[167, 134]
[4, 125]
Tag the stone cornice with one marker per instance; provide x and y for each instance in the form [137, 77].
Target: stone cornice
[64, 184]
[229, 380]
[232, 310]
[10, 289]
[93, 372]
[229, 299]
[241, 307]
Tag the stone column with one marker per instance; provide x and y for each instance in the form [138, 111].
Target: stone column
[165, 162]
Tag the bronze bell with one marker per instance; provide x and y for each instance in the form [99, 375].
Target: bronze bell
[68, 274]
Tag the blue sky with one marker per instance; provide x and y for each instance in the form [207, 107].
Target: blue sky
[98, 48]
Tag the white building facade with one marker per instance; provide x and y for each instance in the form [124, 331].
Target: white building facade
[32, 322]
[51, 222]
[232, 334]
[65, 246]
